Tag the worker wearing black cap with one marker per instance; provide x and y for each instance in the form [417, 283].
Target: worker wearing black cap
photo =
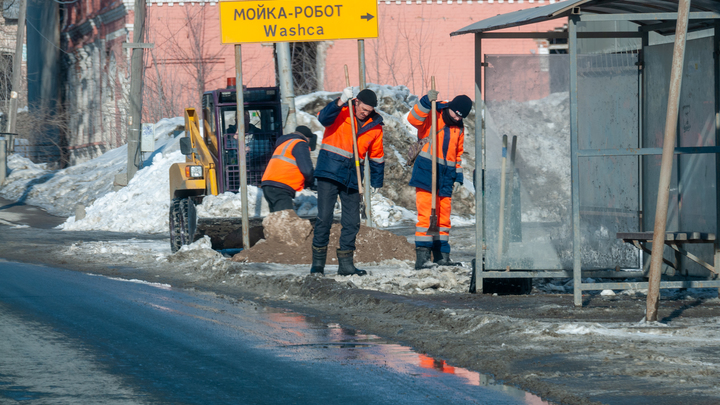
[290, 169]
[336, 174]
[449, 150]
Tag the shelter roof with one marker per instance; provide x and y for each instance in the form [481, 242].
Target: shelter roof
[564, 8]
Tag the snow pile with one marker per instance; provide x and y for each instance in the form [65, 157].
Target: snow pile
[400, 277]
[142, 206]
[543, 152]
[59, 191]
[131, 250]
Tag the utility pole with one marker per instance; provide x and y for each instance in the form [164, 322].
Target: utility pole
[136, 86]
[666, 163]
[287, 90]
[17, 75]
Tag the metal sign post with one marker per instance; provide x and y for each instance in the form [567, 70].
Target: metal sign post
[240, 124]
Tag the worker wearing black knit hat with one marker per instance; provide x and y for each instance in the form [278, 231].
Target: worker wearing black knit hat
[449, 150]
[336, 175]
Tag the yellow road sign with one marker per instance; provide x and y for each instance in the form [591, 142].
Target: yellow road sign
[297, 20]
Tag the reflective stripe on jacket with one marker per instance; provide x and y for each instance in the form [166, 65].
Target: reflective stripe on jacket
[290, 166]
[449, 149]
[336, 160]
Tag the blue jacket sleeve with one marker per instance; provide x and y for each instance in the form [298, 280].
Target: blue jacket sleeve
[425, 102]
[301, 151]
[459, 178]
[377, 174]
[327, 115]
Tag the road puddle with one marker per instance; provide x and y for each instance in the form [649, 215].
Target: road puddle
[308, 339]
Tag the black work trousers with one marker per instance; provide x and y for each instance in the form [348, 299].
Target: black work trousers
[278, 199]
[328, 191]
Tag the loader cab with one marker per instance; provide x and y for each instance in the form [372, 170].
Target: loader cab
[263, 126]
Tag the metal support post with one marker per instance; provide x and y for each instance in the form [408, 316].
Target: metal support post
[3, 160]
[667, 160]
[136, 87]
[716, 75]
[16, 75]
[574, 159]
[287, 89]
[240, 111]
[367, 187]
[476, 284]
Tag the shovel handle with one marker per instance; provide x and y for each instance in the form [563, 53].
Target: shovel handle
[433, 143]
[356, 153]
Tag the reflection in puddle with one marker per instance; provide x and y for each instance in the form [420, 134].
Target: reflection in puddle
[309, 338]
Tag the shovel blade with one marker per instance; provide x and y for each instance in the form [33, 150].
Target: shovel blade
[433, 229]
[363, 214]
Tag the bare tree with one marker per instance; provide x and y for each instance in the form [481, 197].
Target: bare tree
[187, 48]
[42, 134]
[403, 54]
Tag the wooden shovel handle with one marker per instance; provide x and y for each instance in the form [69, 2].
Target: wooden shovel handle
[356, 153]
[433, 143]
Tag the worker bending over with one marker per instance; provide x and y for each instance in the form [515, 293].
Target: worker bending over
[336, 173]
[449, 150]
[290, 169]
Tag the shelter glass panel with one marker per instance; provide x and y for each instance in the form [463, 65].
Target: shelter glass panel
[527, 193]
[608, 121]
[693, 186]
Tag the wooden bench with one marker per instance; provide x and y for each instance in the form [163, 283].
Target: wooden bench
[675, 240]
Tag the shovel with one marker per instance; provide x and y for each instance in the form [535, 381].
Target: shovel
[433, 229]
[363, 215]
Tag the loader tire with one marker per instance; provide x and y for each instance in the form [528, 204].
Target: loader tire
[183, 223]
[175, 225]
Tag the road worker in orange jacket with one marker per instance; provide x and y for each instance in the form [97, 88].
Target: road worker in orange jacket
[449, 150]
[336, 174]
[290, 169]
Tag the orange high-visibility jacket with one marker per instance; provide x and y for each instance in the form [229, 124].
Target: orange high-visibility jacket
[336, 160]
[288, 167]
[449, 149]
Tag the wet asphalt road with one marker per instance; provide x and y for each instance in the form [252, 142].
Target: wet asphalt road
[71, 337]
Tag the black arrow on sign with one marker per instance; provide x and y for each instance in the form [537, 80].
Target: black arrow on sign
[367, 16]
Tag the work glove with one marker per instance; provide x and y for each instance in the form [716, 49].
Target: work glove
[346, 95]
[456, 187]
[432, 95]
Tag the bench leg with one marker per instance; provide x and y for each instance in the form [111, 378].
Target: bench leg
[716, 260]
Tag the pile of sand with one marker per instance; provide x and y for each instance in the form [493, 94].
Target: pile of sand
[288, 240]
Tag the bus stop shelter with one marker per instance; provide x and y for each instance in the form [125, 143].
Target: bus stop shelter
[568, 146]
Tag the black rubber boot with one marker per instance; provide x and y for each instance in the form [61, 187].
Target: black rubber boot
[346, 266]
[319, 256]
[443, 259]
[422, 256]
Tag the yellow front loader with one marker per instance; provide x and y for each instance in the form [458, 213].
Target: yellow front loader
[211, 164]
